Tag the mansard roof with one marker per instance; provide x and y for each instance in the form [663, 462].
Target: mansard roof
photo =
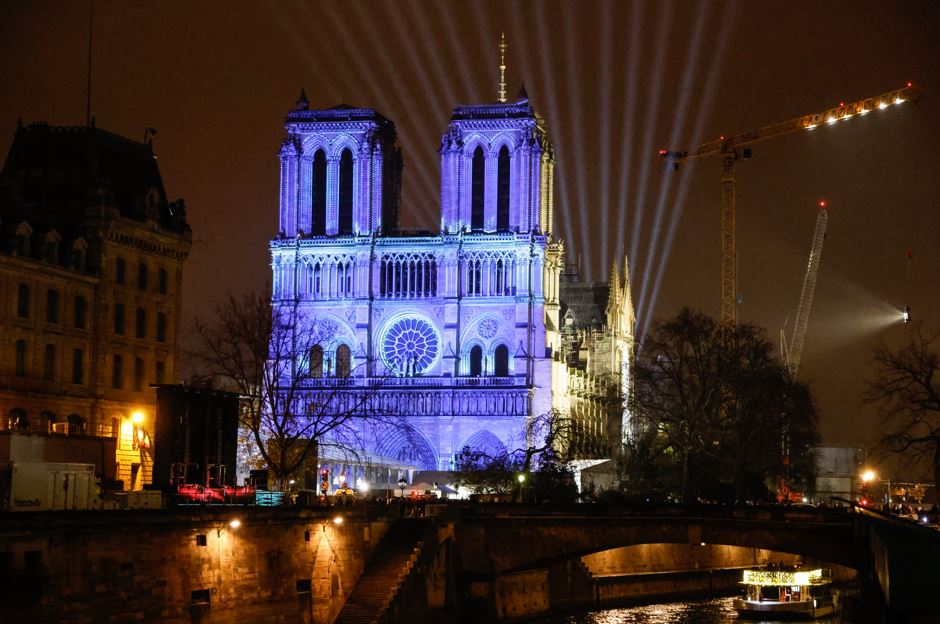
[53, 173]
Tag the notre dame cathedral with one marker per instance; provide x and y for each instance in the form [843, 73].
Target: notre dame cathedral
[465, 330]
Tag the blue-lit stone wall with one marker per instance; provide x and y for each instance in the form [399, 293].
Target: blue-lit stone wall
[453, 330]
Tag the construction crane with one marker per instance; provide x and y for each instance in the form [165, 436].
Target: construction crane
[794, 351]
[734, 147]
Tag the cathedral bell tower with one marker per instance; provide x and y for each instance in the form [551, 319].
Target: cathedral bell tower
[340, 172]
[497, 164]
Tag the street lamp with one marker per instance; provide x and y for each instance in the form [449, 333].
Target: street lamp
[867, 477]
[521, 478]
[401, 485]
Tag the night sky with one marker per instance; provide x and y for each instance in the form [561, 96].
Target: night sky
[615, 82]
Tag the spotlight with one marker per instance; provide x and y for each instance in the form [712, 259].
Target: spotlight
[906, 314]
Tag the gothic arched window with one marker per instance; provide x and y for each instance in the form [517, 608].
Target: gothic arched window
[502, 190]
[476, 190]
[501, 361]
[346, 192]
[318, 195]
[342, 361]
[316, 361]
[476, 361]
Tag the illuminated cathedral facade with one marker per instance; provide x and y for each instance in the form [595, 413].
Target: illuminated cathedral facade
[456, 331]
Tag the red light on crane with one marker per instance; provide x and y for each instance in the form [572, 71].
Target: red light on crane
[822, 203]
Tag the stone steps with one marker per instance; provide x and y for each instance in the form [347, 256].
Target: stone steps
[385, 573]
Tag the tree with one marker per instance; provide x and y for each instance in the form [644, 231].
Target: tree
[539, 453]
[715, 401]
[906, 388]
[295, 400]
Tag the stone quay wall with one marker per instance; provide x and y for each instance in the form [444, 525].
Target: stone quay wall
[183, 565]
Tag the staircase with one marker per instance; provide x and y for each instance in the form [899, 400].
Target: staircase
[387, 570]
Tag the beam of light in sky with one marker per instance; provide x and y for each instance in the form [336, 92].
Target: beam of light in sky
[574, 123]
[519, 42]
[678, 125]
[491, 62]
[421, 51]
[626, 140]
[652, 110]
[428, 203]
[606, 112]
[545, 62]
[728, 22]
[466, 82]
[323, 79]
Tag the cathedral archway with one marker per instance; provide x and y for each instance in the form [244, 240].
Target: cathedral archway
[501, 361]
[345, 225]
[477, 188]
[343, 361]
[486, 443]
[318, 195]
[409, 446]
[502, 190]
[476, 361]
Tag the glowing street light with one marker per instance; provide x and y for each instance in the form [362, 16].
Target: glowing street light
[906, 314]
[235, 523]
[868, 476]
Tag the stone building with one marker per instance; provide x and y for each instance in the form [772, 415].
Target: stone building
[456, 330]
[591, 377]
[91, 262]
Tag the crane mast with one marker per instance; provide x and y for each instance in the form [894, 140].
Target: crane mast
[794, 351]
[737, 146]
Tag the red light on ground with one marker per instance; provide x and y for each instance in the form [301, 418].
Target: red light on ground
[863, 502]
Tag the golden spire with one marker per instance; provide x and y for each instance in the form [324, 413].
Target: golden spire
[502, 68]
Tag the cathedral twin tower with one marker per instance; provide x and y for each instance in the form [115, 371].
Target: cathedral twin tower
[456, 329]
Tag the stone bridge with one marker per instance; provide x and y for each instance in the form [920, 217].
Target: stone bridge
[898, 561]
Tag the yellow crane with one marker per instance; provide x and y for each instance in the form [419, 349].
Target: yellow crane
[734, 147]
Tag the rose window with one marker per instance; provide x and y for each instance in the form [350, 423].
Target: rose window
[411, 346]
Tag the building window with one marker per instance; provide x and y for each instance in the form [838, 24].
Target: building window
[117, 372]
[21, 358]
[342, 361]
[48, 363]
[501, 361]
[119, 318]
[138, 374]
[162, 281]
[142, 276]
[160, 369]
[22, 301]
[477, 186]
[52, 306]
[141, 323]
[318, 195]
[346, 192]
[78, 366]
[161, 327]
[120, 271]
[476, 361]
[316, 361]
[502, 190]
[80, 312]
[76, 424]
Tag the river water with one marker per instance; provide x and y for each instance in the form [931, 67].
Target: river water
[712, 611]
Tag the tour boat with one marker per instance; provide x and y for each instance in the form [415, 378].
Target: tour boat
[787, 593]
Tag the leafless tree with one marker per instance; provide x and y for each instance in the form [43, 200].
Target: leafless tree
[295, 400]
[906, 388]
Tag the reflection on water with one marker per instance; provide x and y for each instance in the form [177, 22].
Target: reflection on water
[713, 611]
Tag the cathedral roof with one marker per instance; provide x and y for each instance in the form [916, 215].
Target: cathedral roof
[339, 113]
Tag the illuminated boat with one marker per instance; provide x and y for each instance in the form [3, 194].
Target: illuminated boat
[787, 593]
